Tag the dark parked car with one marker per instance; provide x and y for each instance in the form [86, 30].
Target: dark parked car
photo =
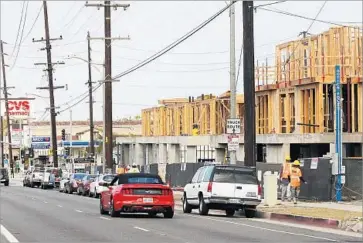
[73, 183]
[83, 187]
[4, 176]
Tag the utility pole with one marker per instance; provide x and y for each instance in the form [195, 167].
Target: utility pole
[5, 90]
[249, 85]
[50, 80]
[1, 117]
[232, 74]
[107, 140]
[91, 125]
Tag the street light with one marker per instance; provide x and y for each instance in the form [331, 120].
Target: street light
[84, 60]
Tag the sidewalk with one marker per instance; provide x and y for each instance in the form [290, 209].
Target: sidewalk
[345, 216]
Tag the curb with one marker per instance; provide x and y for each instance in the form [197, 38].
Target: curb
[319, 222]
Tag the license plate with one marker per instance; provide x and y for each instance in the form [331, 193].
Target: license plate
[234, 200]
[147, 200]
[251, 194]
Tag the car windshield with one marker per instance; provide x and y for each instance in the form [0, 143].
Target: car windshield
[144, 180]
[91, 177]
[230, 175]
[108, 178]
[79, 176]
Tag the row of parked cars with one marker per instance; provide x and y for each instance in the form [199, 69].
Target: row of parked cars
[42, 177]
[213, 187]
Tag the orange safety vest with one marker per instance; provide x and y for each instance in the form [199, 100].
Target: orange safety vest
[286, 170]
[295, 177]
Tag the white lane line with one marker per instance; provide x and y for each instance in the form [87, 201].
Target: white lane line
[45, 202]
[104, 218]
[33, 198]
[8, 235]
[60, 206]
[79, 211]
[135, 227]
[262, 228]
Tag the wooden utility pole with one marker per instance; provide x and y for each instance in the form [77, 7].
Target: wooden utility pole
[108, 139]
[5, 92]
[249, 85]
[49, 64]
[91, 125]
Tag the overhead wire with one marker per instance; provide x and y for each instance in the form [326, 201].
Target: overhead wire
[35, 21]
[307, 30]
[19, 26]
[305, 17]
[21, 37]
[160, 53]
[174, 44]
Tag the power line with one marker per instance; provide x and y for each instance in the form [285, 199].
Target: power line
[307, 31]
[18, 32]
[35, 21]
[268, 4]
[21, 36]
[173, 45]
[304, 17]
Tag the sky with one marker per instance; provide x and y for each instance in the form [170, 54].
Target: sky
[198, 65]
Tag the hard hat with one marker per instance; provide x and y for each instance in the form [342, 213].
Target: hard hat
[296, 162]
[287, 157]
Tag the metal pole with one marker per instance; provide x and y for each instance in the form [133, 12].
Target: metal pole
[51, 88]
[249, 85]
[108, 87]
[10, 149]
[232, 74]
[91, 125]
[1, 128]
[338, 132]
[70, 131]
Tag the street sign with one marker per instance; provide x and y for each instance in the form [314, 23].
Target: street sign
[233, 142]
[233, 126]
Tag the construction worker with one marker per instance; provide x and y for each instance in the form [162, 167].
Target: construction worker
[295, 179]
[134, 169]
[284, 178]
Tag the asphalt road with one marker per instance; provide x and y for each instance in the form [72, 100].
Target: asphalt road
[35, 215]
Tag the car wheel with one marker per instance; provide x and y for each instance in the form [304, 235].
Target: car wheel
[32, 185]
[169, 214]
[203, 208]
[70, 190]
[152, 214]
[89, 193]
[230, 212]
[112, 211]
[186, 206]
[6, 183]
[249, 213]
[102, 211]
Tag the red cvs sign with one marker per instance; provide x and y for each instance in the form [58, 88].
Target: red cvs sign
[19, 108]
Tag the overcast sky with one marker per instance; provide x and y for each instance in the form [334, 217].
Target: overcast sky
[198, 65]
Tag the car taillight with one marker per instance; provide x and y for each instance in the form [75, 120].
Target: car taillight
[167, 192]
[259, 190]
[210, 185]
[127, 191]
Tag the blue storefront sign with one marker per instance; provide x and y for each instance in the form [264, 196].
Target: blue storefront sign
[77, 144]
[40, 145]
[40, 139]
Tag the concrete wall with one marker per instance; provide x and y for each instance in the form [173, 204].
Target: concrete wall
[168, 149]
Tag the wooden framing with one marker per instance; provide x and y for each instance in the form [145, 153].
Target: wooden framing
[297, 88]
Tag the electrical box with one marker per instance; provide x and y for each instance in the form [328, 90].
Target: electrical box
[334, 162]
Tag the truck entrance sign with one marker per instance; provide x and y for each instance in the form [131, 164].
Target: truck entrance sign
[233, 126]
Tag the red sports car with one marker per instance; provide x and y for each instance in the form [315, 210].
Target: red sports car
[137, 193]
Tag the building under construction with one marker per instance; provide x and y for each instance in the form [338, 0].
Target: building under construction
[295, 105]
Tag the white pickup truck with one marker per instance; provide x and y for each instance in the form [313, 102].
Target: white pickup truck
[36, 177]
[47, 179]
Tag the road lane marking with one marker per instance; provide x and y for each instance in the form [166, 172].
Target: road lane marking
[104, 218]
[45, 202]
[60, 206]
[8, 235]
[262, 228]
[135, 227]
[79, 211]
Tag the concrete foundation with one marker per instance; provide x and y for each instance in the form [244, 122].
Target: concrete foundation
[162, 150]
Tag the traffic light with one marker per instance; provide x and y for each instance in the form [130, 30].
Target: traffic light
[67, 151]
[63, 134]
